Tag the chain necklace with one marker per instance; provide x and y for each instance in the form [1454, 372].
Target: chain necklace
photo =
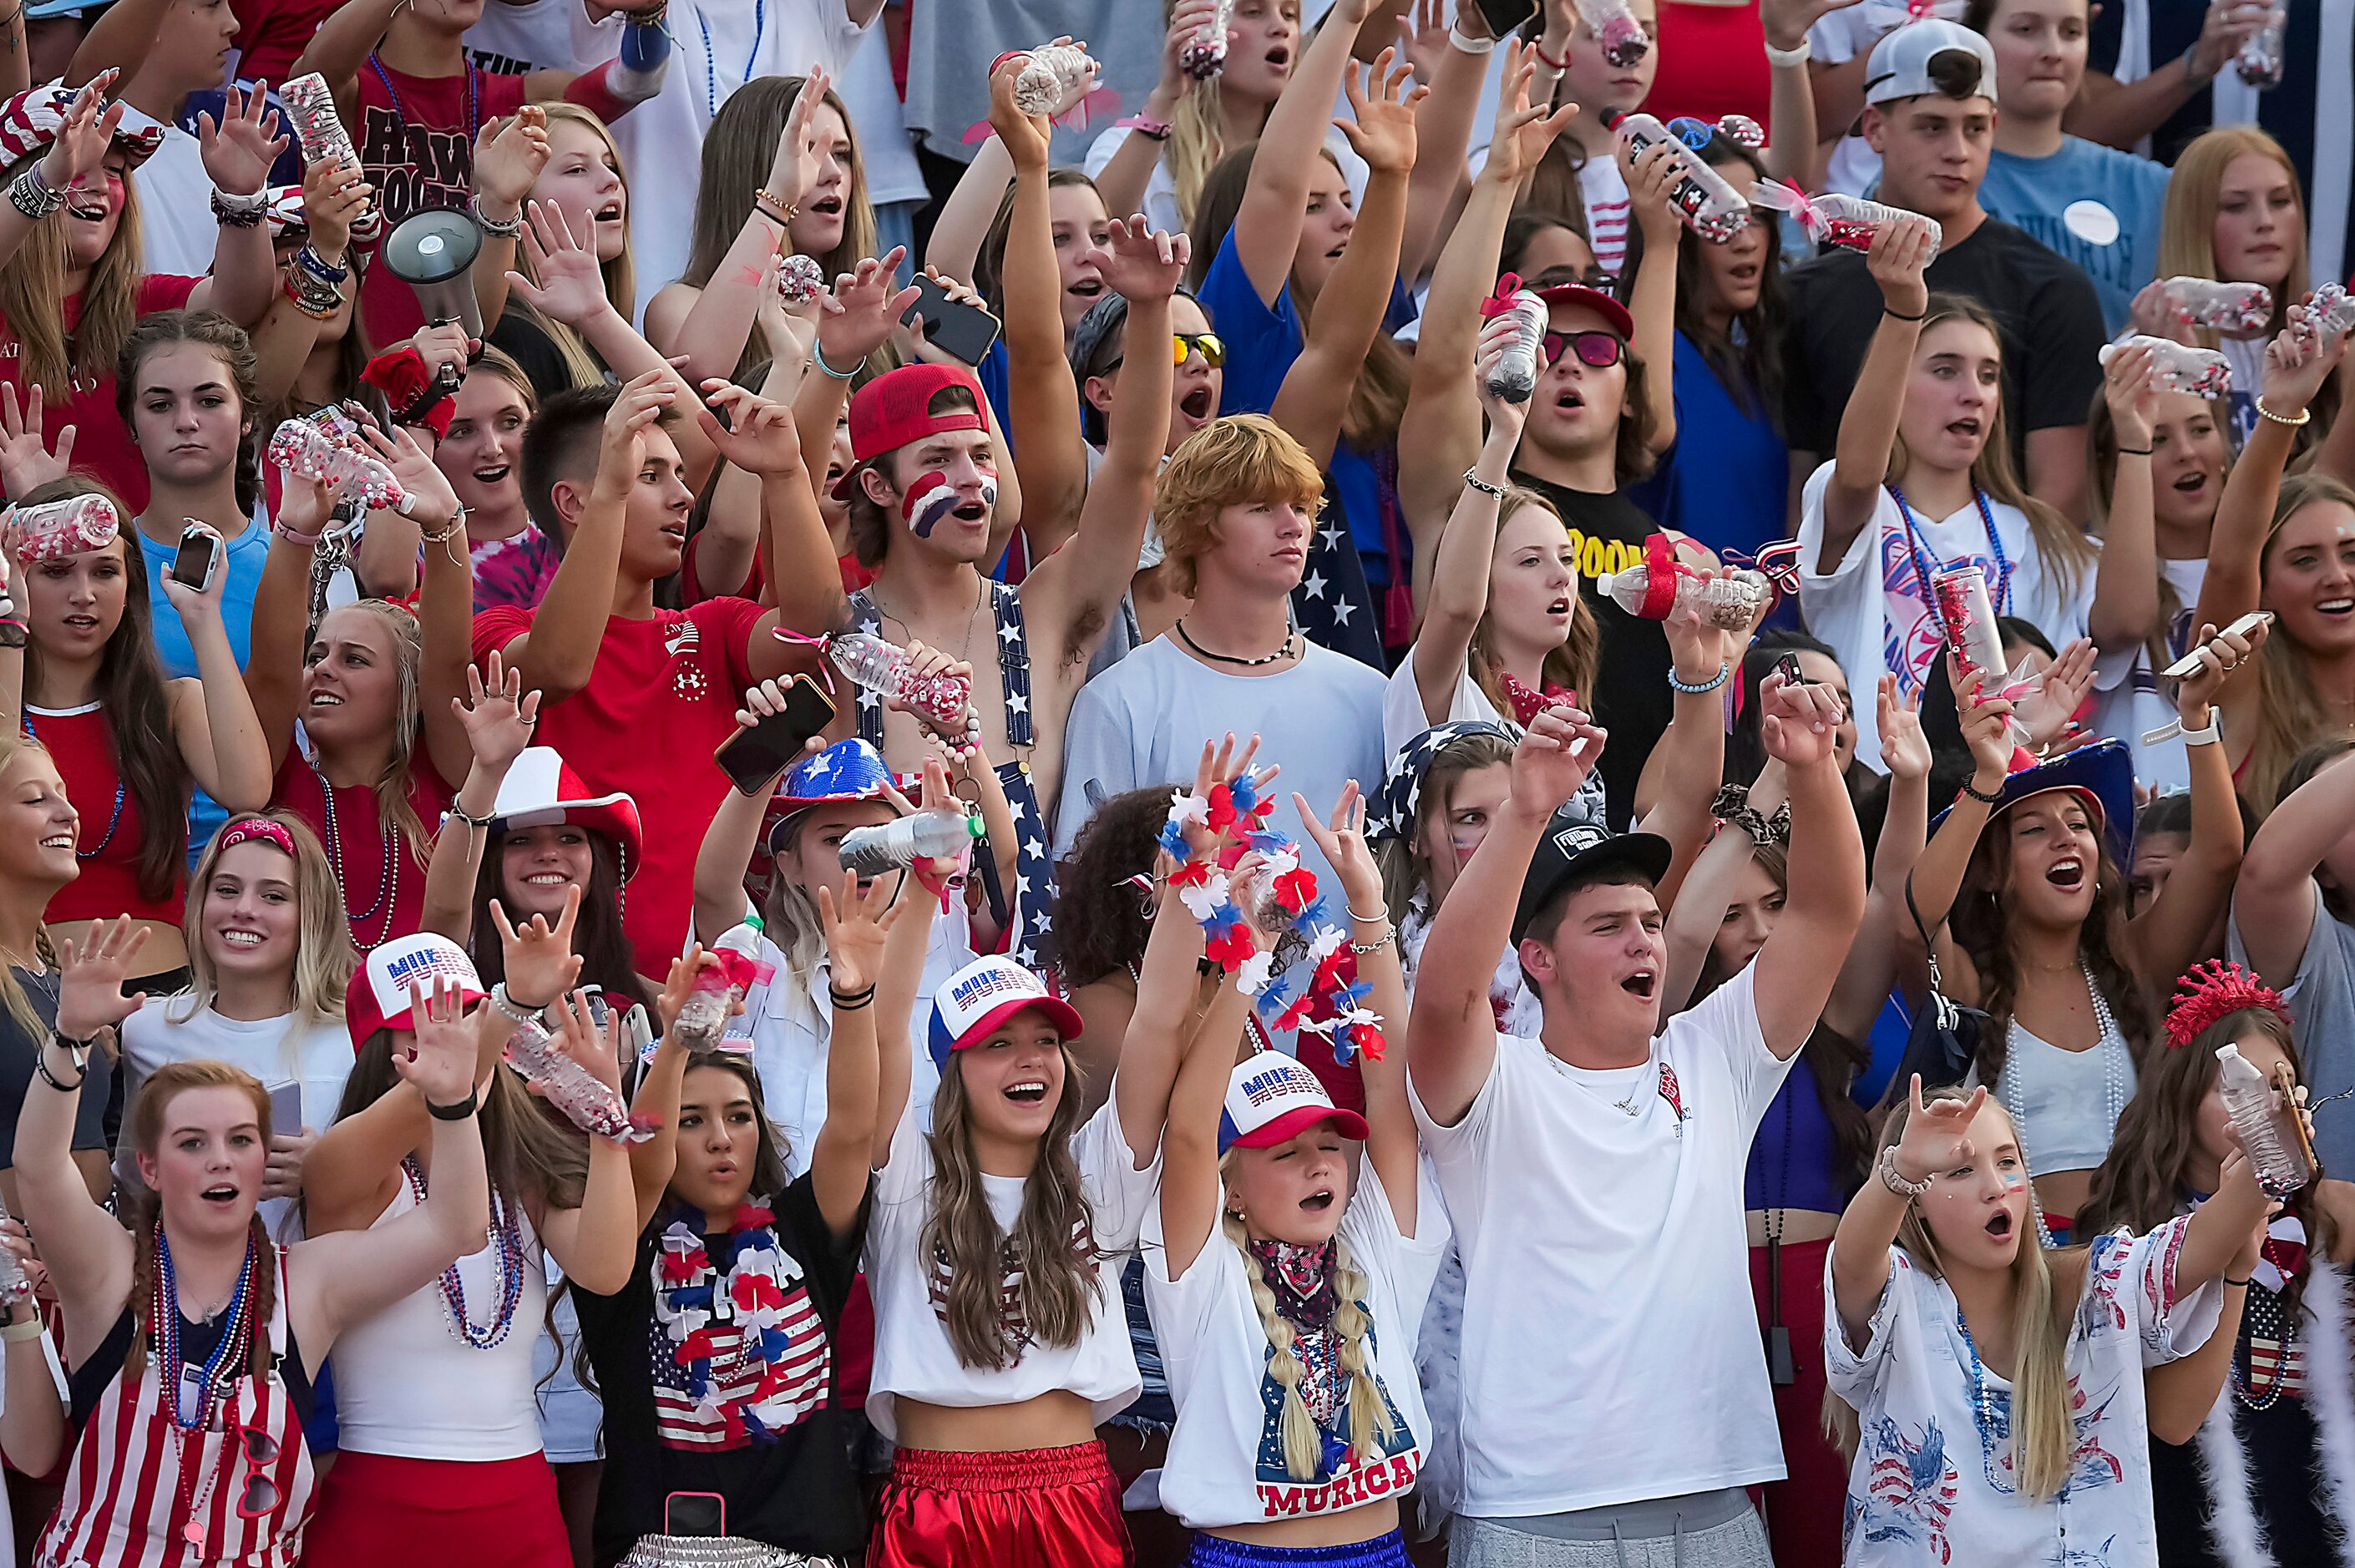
[1284, 650]
[507, 1243]
[2113, 1089]
[114, 820]
[965, 649]
[387, 879]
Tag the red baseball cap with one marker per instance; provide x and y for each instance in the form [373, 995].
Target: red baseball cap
[895, 410]
[1614, 314]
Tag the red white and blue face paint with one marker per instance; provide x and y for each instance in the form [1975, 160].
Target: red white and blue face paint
[932, 497]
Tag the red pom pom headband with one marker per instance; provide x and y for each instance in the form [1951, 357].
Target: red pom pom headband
[2212, 990]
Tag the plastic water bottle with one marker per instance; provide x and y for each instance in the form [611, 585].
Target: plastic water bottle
[588, 1104]
[14, 1285]
[71, 526]
[1731, 600]
[2259, 62]
[2176, 367]
[703, 1016]
[1846, 221]
[1968, 612]
[1050, 79]
[1615, 27]
[887, 846]
[310, 103]
[323, 447]
[1711, 208]
[2330, 310]
[2225, 307]
[1515, 374]
[885, 669]
[2272, 1145]
[1205, 54]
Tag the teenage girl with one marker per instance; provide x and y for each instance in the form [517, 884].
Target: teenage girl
[192, 1339]
[310, 354]
[1284, 1295]
[1991, 1392]
[481, 454]
[1157, 166]
[580, 188]
[2247, 1485]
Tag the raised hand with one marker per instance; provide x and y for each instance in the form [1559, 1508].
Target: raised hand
[622, 450]
[859, 315]
[678, 985]
[431, 501]
[1904, 748]
[1506, 418]
[1799, 723]
[920, 346]
[1024, 136]
[1901, 252]
[571, 289]
[1525, 131]
[794, 168]
[539, 958]
[2047, 712]
[2219, 653]
[1787, 21]
[1382, 133]
[2153, 314]
[759, 437]
[577, 1034]
[1937, 1136]
[2129, 384]
[1342, 842]
[91, 975]
[335, 195]
[1422, 36]
[2297, 362]
[198, 604]
[508, 163]
[497, 712]
[786, 331]
[1986, 723]
[441, 1061]
[1145, 264]
[1556, 754]
[1651, 175]
[79, 153]
[239, 150]
[1184, 22]
[282, 1175]
[856, 924]
[26, 462]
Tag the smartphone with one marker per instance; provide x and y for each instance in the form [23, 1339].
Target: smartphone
[2189, 662]
[1788, 666]
[1503, 16]
[199, 558]
[752, 757]
[958, 329]
[694, 1513]
[286, 1110]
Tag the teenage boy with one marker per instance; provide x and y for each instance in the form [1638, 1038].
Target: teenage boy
[1930, 112]
[177, 230]
[635, 697]
[2095, 205]
[1614, 1391]
[1234, 506]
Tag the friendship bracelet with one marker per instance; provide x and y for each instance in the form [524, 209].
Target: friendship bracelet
[1901, 317]
[241, 211]
[456, 1111]
[33, 197]
[482, 822]
[1691, 689]
[1472, 477]
[497, 228]
[1537, 47]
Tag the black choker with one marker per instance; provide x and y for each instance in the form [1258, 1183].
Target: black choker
[1283, 651]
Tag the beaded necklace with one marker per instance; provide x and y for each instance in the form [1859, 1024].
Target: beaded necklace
[1993, 1427]
[747, 1287]
[1914, 552]
[114, 820]
[2114, 1090]
[752, 56]
[387, 879]
[235, 1341]
[507, 1241]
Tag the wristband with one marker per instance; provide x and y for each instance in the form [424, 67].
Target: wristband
[30, 1329]
[241, 211]
[458, 1112]
[1702, 688]
[2136, 451]
[1895, 1180]
[850, 1001]
[1782, 59]
[1986, 797]
[817, 354]
[318, 266]
[1367, 919]
[1467, 46]
[1537, 47]
[32, 195]
[1145, 125]
[472, 820]
[2242, 1284]
[2211, 736]
[283, 532]
[497, 228]
[509, 1008]
[1472, 477]
[1901, 317]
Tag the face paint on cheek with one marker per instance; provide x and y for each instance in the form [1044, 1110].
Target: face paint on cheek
[1466, 842]
[932, 497]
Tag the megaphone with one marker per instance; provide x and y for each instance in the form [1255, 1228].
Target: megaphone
[434, 252]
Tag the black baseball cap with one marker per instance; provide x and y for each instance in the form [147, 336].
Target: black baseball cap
[1574, 847]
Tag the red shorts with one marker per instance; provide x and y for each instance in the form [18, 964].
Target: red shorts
[379, 1511]
[1804, 1511]
[1037, 1508]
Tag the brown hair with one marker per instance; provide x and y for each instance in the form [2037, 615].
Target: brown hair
[2290, 711]
[162, 1086]
[33, 299]
[2101, 472]
[207, 329]
[1237, 458]
[990, 263]
[769, 1178]
[1099, 917]
[1052, 1246]
[1574, 664]
[1405, 858]
[526, 1151]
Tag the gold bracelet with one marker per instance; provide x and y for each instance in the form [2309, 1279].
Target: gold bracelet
[772, 206]
[2265, 413]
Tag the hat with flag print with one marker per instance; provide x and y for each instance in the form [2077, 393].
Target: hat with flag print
[1271, 1098]
[972, 1003]
[848, 770]
[541, 790]
[378, 997]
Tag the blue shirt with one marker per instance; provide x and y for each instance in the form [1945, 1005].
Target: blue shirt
[241, 561]
[1727, 480]
[2095, 205]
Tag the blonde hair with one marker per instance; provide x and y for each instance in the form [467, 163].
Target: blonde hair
[2062, 549]
[391, 787]
[2187, 225]
[2291, 714]
[1369, 1414]
[1575, 663]
[1239, 458]
[13, 1000]
[2043, 1430]
[324, 955]
[620, 277]
[33, 296]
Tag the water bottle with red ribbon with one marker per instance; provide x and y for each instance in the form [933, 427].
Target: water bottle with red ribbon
[1663, 585]
[1846, 221]
[720, 985]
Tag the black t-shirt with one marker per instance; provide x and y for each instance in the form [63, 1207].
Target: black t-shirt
[798, 1492]
[522, 337]
[2052, 320]
[1631, 696]
[20, 1050]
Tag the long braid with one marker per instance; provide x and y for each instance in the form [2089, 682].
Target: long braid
[265, 1295]
[143, 1291]
[1303, 1452]
[1369, 1414]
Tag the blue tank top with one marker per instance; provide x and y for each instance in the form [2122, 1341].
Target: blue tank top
[1795, 1161]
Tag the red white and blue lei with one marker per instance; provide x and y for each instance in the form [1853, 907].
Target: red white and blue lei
[748, 1288]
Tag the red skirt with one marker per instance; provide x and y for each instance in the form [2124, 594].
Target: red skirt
[379, 1511]
[1803, 1510]
[1036, 1508]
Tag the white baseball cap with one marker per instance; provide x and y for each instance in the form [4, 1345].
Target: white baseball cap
[974, 1000]
[1272, 1097]
[1903, 63]
[378, 997]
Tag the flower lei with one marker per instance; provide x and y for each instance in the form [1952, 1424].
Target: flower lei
[1333, 1001]
[691, 1296]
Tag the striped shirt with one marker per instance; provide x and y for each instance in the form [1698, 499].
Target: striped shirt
[682, 1421]
[1604, 190]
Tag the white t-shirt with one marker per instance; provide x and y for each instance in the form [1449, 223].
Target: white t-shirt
[1402, 714]
[2130, 699]
[720, 45]
[1604, 190]
[177, 231]
[1874, 610]
[912, 1353]
[884, 152]
[1599, 1219]
[520, 39]
[1933, 1482]
[1226, 1460]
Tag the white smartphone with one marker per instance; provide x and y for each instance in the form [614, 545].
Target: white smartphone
[2191, 662]
[286, 1110]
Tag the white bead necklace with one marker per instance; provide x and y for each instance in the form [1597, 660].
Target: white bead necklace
[2111, 1045]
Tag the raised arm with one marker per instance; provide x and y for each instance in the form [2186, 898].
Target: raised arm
[508, 159]
[1871, 967]
[857, 930]
[2222, 1228]
[1436, 186]
[445, 600]
[760, 439]
[2121, 113]
[281, 610]
[1275, 196]
[1791, 91]
[1937, 1142]
[32, 1415]
[497, 716]
[729, 545]
[1680, 778]
[343, 44]
[1457, 594]
[2275, 905]
[1699, 906]
[213, 721]
[1800, 960]
[654, 1161]
[1938, 876]
[2125, 580]
[78, 151]
[902, 981]
[1191, 1189]
[2171, 934]
[238, 154]
[734, 835]
[1651, 176]
[1453, 1029]
[1867, 428]
[597, 1242]
[1122, 180]
[2295, 368]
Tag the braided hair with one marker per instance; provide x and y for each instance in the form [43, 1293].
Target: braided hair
[1369, 1414]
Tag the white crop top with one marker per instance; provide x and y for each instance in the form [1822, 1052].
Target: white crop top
[406, 1385]
[913, 1353]
[2066, 1103]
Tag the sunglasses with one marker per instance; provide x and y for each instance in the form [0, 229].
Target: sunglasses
[1183, 345]
[257, 1496]
[1595, 348]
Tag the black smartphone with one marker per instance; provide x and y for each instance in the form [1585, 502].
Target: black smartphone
[754, 756]
[198, 559]
[958, 329]
[1503, 16]
[694, 1513]
[1788, 666]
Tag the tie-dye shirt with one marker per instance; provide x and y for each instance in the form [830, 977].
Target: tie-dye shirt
[515, 571]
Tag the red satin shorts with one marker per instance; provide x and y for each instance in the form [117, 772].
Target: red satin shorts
[1036, 1508]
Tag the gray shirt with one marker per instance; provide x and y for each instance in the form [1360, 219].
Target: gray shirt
[2322, 1007]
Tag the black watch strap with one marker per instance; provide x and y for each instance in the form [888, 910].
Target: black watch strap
[458, 1112]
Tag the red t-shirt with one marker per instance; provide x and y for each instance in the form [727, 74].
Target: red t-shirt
[661, 700]
[362, 854]
[270, 35]
[103, 445]
[416, 137]
[108, 847]
[1712, 63]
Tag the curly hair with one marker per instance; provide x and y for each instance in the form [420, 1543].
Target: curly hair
[1102, 923]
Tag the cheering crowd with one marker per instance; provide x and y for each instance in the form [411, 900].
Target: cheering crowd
[1287, 784]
